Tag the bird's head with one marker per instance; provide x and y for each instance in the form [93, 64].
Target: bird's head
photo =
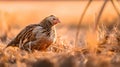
[50, 21]
[53, 19]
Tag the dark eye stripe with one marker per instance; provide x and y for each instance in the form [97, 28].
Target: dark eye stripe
[54, 19]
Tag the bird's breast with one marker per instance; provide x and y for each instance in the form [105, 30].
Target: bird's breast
[47, 35]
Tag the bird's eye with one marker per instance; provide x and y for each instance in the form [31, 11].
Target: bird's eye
[54, 19]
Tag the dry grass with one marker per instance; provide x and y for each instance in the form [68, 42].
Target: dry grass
[91, 51]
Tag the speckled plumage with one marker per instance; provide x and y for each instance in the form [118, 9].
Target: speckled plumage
[36, 36]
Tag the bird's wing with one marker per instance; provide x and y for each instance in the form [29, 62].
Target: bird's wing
[24, 36]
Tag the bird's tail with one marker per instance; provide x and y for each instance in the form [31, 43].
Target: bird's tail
[6, 47]
[9, 44]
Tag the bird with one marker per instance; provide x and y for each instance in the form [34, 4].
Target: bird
[37, 36]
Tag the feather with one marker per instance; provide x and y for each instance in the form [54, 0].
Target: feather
[35, 36]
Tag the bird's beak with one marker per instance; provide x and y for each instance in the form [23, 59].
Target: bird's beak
[56, 21]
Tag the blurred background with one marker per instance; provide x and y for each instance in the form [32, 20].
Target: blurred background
[17, 14]
[69, 12]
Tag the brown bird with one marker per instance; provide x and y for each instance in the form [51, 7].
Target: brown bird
[37, 36]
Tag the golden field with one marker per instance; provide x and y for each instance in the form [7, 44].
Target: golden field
[100, 48]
